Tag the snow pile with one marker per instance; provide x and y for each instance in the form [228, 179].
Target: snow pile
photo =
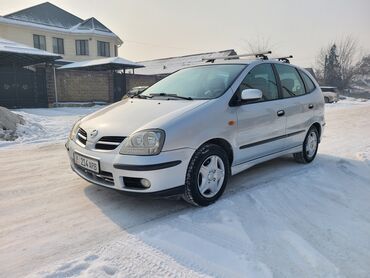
[8, 124]
[347, 102]
[49, 125]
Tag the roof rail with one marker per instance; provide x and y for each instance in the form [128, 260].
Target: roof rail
[284, 59]
[261, 55]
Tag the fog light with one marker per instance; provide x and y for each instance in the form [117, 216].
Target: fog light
[145, 183]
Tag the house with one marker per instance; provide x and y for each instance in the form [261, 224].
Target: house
[48, 27]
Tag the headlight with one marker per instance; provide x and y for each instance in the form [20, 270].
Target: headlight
[73, 133]
[145, 142]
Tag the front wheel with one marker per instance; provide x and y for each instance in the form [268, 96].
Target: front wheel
[207, 175]
[310, 147]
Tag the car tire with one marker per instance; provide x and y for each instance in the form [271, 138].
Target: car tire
[326, 99]
[309, 148]
[207, 175]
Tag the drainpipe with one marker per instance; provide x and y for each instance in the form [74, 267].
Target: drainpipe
[55, 86]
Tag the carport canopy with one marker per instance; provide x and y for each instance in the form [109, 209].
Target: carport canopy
[13, 53]
[104, 64]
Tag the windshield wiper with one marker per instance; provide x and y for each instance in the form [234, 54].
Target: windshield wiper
[139, 95]
[170, 95]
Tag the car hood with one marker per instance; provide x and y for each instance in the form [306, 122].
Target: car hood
[129, 115]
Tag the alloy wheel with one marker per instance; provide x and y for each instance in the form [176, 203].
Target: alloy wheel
[311, 144]
[211, 176]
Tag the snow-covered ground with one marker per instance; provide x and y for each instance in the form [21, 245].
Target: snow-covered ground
[278, 219]
[47, 125]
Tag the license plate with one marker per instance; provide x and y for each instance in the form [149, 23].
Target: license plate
[87, 162]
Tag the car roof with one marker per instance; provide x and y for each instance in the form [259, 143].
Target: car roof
[243, 62]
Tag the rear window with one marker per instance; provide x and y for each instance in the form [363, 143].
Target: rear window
[291, 82]
[310, 86]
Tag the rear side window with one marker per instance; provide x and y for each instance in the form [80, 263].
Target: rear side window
[291, 82]
[261, 77]
[310, 86]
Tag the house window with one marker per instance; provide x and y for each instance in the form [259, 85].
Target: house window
[115, 50]
[82, 47]
[58, 45]
[103, 49]
[39, 42]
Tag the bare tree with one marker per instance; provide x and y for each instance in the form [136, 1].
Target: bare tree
[321, 63]
[258, 45]
[347, 50]
[363, 67]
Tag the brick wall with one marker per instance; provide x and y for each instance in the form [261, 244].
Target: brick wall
[88, 86]
[134, 80]
[84, 86]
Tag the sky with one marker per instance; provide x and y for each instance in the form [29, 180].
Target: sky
[152, 29]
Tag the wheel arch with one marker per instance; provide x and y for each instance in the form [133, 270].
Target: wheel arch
[318, 127]
[223, 144]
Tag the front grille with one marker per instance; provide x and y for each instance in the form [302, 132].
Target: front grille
[109, 142]
[82, 136]
[103, 177]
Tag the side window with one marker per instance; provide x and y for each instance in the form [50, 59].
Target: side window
[291, 82]
[58, 45]
[39, 42]
[261, 77]
[310, 86]
[103, 49]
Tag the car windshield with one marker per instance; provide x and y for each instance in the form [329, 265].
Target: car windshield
[203, 82]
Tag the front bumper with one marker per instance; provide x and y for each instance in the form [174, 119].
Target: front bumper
[165, 171]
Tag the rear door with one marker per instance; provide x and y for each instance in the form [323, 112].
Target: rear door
[297, 104]
[261, 124]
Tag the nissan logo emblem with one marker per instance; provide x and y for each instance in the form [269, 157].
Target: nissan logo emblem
[93, 133]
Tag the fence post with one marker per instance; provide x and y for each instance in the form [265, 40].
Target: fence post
[55, 86]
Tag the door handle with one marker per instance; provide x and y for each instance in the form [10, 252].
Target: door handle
[280, 113]
[310, 106]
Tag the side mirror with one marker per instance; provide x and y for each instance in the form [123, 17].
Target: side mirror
[251, 94]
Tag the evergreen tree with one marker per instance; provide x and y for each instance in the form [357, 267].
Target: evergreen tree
[332, 75]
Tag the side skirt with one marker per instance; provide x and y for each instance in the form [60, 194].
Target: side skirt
[245, 165]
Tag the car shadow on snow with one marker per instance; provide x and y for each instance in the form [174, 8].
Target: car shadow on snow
[128, 212]
[198, 239]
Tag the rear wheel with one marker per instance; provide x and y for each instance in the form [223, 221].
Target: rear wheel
[310, 147]
[326, 99]
[207, 175]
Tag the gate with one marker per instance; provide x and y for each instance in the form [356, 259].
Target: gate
[23, 87]
[119, 85]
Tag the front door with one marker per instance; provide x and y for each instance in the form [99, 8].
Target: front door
[261, 124]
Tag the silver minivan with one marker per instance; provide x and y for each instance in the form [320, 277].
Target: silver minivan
[188, 133]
